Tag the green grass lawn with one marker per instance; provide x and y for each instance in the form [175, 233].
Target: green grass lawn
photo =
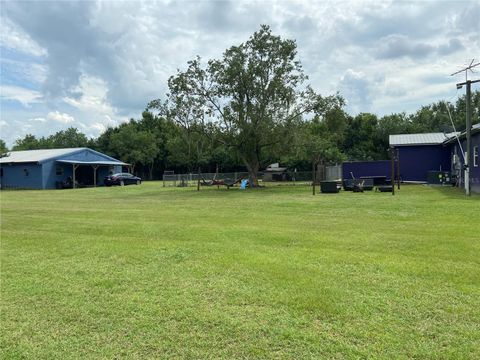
[152, 272]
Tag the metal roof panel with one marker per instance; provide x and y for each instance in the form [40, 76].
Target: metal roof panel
[37, 156]
[419, 139]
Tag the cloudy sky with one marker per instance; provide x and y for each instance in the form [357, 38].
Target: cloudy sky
[92, 64]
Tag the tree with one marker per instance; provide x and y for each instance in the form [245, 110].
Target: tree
[318, 141]
[359, 144]
[29, 142]
[133, 145]
[3, 148]
[160, 129]
[250, 95]
[70, 138]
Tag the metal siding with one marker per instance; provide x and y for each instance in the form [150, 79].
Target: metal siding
[14, 176]
[366, 168]
[475, 171]
[43, 176]
[417, 161]
[49, 174]
[86, 155]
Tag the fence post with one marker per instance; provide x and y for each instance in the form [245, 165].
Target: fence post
[313, 178]
[198, 179]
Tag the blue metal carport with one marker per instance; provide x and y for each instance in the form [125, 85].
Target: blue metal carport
[44, 169]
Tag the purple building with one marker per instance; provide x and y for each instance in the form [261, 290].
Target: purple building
[421, 153]
[458, 154]
[362, 169]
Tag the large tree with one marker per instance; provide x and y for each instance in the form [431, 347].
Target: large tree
[29, 142]
[133, 145]
[70, 138]
[251, 96]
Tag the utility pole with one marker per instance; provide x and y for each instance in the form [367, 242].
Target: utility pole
[468, 100]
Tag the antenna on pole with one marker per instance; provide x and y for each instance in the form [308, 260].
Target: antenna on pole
[468, 158]
[469, 67]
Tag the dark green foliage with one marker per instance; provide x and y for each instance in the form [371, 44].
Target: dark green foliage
[134, 145]
[3, 147]
[69, 138]
[250, 97]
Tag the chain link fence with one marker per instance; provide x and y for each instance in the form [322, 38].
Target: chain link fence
[265, 179]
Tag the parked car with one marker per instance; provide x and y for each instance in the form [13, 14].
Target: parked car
[122, 179]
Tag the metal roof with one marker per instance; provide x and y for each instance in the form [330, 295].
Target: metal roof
[29, 156]
[78, 162]
[36, 155]
[419, 139]
[475, 129]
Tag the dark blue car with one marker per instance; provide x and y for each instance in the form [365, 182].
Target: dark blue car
[122, 179]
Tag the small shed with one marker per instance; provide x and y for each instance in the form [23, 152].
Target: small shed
[47, 168]
[274, 172]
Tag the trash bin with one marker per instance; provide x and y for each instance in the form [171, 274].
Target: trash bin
[329, 187]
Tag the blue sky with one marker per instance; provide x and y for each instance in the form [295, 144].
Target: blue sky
[92, 64]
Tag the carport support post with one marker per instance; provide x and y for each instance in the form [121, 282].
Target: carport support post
[95, 167]
[75, 166]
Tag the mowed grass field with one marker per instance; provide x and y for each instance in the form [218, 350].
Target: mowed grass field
[152, 272]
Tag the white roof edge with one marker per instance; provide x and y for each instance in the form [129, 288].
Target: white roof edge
[42, 155]
[81, 162]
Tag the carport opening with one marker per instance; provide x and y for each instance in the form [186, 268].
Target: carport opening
[87, 174]
[84, 175]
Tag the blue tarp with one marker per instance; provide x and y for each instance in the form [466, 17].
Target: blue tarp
[244, 184]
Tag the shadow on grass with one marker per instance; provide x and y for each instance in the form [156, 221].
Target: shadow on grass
[453, 192]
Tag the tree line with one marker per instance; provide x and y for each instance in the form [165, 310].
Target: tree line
[250, 108]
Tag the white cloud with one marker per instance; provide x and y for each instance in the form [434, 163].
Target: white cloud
[38, 119]
[60, 117]
[24, 96]
[24, 71]
[117, 56]
[13, 37]
[90, 99]
[90, 95]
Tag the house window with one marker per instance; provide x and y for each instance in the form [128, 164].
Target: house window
[25, 171]
[59, 170]
[475, 156]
